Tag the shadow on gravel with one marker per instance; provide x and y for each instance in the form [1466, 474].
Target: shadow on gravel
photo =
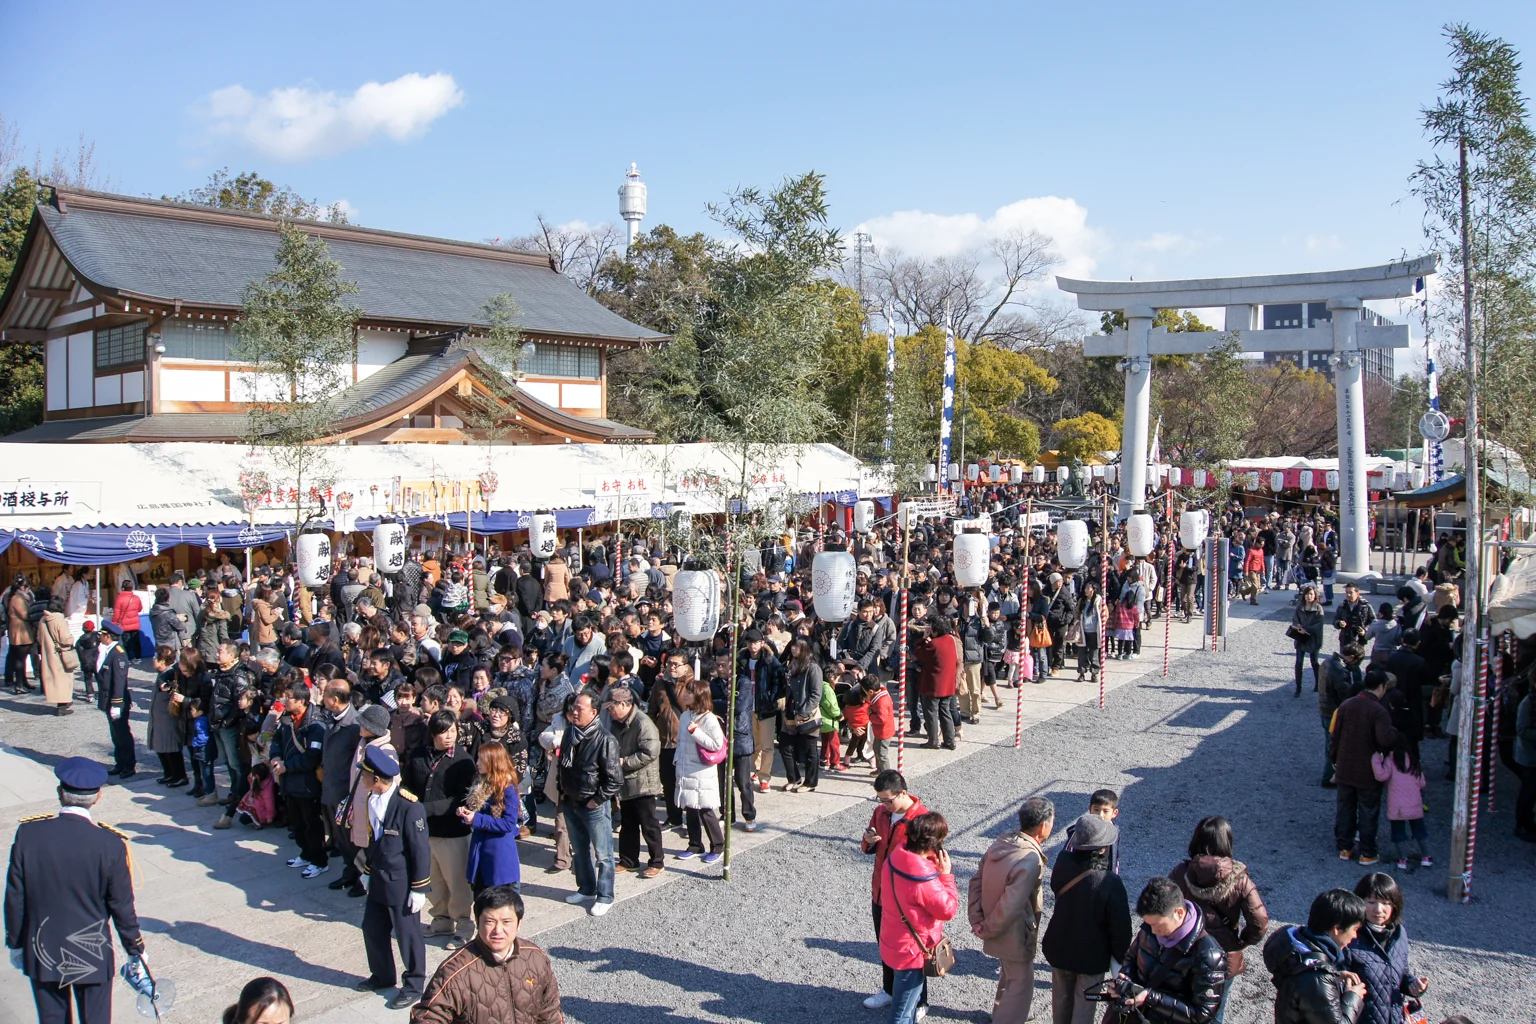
[52, 760]
[261, 956]
[968, 962]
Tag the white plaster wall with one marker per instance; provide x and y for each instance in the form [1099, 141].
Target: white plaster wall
[56, 374]
[545, 391]
[133, 386]
[109, 390]
[581, 396]
[376, 350]
[178, 385]
[267, 387]
[82, 370]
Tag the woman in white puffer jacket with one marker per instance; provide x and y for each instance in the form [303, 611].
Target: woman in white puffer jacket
[698, 782]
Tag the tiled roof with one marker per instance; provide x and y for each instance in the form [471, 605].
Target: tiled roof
[172, 251]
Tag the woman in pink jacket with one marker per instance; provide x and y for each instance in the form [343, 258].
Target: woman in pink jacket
[920, 897]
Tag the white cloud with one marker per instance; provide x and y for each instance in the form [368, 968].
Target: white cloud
[348, 210]
[301, 123]
[934, 234]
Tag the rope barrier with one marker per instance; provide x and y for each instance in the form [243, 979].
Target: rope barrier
[1476, 754]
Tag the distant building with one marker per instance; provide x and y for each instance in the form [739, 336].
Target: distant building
[1378, 361]
[134, 302]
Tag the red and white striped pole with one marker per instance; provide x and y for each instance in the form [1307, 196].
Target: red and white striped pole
[1103, 616]
[901, 668]
[1478, 692]
[1496, 655]
[1168, 588]
[1018, 697]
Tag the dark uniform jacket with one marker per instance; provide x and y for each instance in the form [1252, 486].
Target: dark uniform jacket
[441, 780]
[112, 682]
[67, 877]
[399, 858]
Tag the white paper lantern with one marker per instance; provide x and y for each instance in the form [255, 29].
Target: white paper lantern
[997, 474]
[1400, 480]
[973, 555]
[541, 535]
[1277, 481]
[972, 472]
[1037, 475]
[1085, 473]
[1072, 543]
[1226, 478]
[1306, 480]
[1194, 526]
[1175, 476]
[389, 546]
[684, 524]
[931, 473]
[313, 552]
[953, 472]
[1063, 474]
[1197, 477]
[1333, 479]
[904, 514]
[1111, 474]
[1016, 474]
[863, 516]
[834, 578]
[1139, 534]
[696, 604]
[1251, 480]
[1416, 477]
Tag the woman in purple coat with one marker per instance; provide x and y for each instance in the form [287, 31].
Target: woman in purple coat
[491, 812]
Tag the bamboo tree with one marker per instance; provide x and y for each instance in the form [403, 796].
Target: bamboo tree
[295, 336]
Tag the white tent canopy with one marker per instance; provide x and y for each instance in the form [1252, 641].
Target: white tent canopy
[1512, 599]
[191, 483]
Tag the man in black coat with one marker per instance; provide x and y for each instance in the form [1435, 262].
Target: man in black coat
[591, 775]
[1307, 964]
[113, 697]
[440, 774]
[1413, 676]
[295, 757]
[67, 878]
[398, 865]
[1178, 983]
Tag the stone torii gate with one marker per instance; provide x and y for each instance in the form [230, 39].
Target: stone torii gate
[1344, 292]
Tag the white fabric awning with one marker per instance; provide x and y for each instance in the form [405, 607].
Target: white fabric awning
[1512, 599]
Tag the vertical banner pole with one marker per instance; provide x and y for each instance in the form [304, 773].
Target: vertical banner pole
[1104, 614]
[1473, 752]
[1168, 588]
[901, 668]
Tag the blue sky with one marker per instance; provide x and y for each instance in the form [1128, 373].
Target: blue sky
[1158, 140]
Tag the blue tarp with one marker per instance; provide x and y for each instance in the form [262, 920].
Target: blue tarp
[107, 545]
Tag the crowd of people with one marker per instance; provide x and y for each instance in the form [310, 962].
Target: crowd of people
[473, 693]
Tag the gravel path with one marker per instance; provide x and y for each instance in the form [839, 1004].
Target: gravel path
[789, 938]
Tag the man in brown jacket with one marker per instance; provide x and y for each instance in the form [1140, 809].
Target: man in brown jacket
[1005, 906]
[495, 978]
[1362, 727]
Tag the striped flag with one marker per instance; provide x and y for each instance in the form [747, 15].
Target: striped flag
[1436, 458]
[947, 421]
[890, 384]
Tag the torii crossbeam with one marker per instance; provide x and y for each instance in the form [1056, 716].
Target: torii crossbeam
[1344, 292]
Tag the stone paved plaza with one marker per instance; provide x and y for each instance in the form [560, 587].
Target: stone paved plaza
[788, 938]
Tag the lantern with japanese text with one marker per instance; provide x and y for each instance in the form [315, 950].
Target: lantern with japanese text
[313, 552]
[1200, 478]
[541, 535]
[1277, 481]
[1251, 479]
[972, 472]
[863, 516]
[973, 555]
[1037, 475]
[696, 604]
[931, 473]
[1333, 479]
[954, 472]
[389, 546]
[1305, 480]
[1194, 526]
[1175, 476]
[834, 578]
[905, 514]
[997, 474]
[1140, 534]
[1015, 474]
[1111, 474]
[1063, 474]
[1072, 543]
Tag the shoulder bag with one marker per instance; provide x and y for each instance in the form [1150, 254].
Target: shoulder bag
[713, 756]
[1296, 633]
[939, 960]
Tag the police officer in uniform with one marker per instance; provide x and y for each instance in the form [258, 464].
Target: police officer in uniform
[399, 874]
[113, 697]
[68, 877]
